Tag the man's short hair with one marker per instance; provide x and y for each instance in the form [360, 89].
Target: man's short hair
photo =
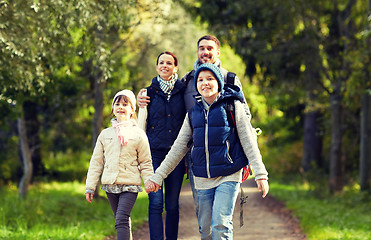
[209, 37]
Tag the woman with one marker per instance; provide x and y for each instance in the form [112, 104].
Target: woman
[165, 115]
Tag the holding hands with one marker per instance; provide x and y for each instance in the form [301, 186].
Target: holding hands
[151, 186]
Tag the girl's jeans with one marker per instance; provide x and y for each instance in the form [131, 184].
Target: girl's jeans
[173, 184]
[122, 204]
[215, 214]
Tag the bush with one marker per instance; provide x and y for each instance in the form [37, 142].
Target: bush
[283, 159]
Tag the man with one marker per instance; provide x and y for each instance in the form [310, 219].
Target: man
[208, 51]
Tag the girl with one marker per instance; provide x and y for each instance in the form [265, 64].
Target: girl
[219, 153]
[121, 154]
[166, 113]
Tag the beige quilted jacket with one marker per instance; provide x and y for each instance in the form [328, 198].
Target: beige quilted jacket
[105, 162]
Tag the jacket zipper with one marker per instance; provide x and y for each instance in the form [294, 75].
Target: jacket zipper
[228, 156]
[207, 144]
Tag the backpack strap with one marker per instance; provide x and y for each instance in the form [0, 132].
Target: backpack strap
[230, 77]
[243, 200]
[189, 76]
[229, 107]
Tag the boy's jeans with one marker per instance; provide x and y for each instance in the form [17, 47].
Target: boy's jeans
[215, 212]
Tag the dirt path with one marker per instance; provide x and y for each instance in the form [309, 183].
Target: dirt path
[263, 218]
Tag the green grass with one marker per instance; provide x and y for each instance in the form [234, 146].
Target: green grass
[60, 211]
[325, 217]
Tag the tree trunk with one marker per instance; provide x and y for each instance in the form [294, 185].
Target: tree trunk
[98, 93]
[336, 172]
[312, 148]
[33, 135]
[25, 157]
[365, 158]
[312, 142]
[98, 115]
[98, 107]
[365, 154]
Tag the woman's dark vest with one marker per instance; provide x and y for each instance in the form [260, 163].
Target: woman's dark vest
[217, 150]
[165, 117]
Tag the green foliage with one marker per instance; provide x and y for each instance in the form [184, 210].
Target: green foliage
[50, 54]
[10, 162]
[282, 159]
[301, 55]
[60, 211]
[67, 165]
[344, 216]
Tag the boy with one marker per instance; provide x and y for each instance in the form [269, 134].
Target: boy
[218, 156]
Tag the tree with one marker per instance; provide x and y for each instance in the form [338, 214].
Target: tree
[37, 40]
[61, 57]
[294, 45]
[365, 155]
[23, 74]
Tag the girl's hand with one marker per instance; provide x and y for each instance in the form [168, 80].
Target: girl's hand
[263, 186]
[142, 100]
[89, 197]
[151, 186]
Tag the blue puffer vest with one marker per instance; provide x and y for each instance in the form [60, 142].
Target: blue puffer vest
[217, 150]
[165, 117]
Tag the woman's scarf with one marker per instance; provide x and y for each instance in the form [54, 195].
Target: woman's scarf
[167, 86]
[125, 130]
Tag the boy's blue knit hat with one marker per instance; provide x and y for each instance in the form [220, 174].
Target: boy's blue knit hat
[215, 70]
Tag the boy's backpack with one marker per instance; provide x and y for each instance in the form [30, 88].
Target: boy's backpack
[230, 109]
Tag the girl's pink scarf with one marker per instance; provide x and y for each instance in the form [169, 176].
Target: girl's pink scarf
[125, 130]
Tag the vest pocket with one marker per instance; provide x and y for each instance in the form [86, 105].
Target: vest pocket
[228, 156]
